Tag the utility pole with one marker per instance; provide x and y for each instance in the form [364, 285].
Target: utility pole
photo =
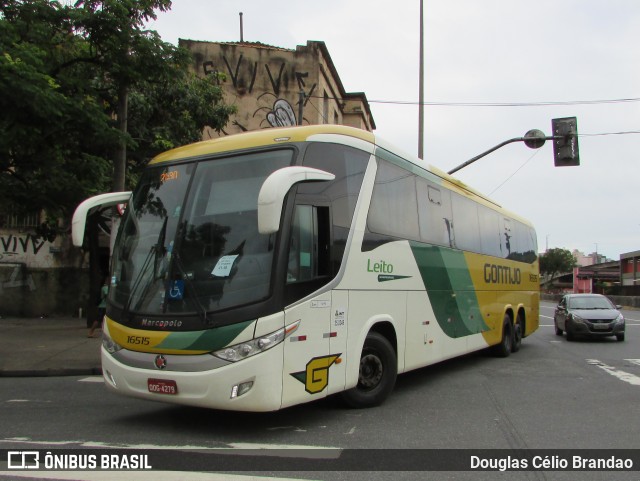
[421, 88]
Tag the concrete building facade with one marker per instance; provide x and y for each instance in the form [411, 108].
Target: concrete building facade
[276, 87]
[630, 269]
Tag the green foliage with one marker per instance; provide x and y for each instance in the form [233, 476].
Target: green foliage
[66, 72]
[165, 115]
[556, 261]
[52, 130]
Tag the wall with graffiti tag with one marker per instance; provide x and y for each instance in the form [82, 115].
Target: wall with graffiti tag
[39, 277]
[277, 87]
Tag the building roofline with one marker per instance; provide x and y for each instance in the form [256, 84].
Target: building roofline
[310, 43]
[343, 93]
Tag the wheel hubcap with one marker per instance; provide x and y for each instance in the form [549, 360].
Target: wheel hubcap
[370, 371]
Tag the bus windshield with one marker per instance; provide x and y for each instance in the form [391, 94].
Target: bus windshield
[189, 242]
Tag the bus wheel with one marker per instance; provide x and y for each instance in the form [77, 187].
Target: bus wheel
[377, 376]
[506, 344]
[517, 334]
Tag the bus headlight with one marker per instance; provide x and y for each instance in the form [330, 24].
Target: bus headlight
[109, 344]
[250, 348]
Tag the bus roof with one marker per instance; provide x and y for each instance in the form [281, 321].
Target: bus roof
[258, 138]
[282, 135]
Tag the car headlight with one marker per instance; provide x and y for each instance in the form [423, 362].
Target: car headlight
[620, 319]
[576, 318]
[241, 351]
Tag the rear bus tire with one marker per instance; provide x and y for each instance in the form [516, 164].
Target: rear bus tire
[506, 343]
[377, 373]
[518, 333]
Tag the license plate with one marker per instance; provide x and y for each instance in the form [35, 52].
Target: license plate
[601, 326]
[162, 386]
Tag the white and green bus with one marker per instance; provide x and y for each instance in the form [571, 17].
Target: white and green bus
[267, 269]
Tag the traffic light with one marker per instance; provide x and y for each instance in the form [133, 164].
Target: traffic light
[565, 142]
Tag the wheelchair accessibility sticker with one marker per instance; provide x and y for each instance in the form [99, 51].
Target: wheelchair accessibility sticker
[176, 291]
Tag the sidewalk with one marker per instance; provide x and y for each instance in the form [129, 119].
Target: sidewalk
[52, 346]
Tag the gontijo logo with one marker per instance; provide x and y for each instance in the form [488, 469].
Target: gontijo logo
[496, 274]
[316, 377]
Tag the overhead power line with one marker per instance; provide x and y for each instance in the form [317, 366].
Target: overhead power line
[512, 104]
[499, 104]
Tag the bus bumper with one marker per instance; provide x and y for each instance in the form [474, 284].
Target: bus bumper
[209, 389]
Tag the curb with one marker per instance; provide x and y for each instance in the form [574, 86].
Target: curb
[58, 372]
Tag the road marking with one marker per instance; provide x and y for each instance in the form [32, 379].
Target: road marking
[139, 476]
[92, 379]
[634, 361]
[26, 401]
[622, 375]
[328, 452]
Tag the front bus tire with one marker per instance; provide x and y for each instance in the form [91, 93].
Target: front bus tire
[377, 373]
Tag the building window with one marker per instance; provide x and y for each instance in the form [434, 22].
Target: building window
[11, 219]
[325, 109]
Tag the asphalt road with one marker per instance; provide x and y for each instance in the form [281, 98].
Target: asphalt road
[553, 394]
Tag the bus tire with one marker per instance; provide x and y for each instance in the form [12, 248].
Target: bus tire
[377, 373]
[518, 332]
[506, 343]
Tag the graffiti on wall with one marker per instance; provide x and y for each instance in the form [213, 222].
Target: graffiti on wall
[14, 246]
[275, 110]
[19, 278]
[17, 252]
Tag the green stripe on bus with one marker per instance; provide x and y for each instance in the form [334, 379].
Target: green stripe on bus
[207, 340]
[448, 283]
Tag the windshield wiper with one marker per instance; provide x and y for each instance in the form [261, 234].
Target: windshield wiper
[189, 283]
[138, 280]
[155, 250]
[159, 248]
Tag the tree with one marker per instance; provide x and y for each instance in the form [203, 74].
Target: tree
[164, 115]
[52, 129]
[556, 261]
[127, 55]
[67, 74]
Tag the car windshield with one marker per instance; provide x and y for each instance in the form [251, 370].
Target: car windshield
[189, 243]
[590, 302]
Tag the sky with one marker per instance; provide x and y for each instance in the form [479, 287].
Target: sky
[582, 56]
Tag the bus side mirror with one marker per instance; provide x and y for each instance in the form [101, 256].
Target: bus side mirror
[275, 188]
[84, 209]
